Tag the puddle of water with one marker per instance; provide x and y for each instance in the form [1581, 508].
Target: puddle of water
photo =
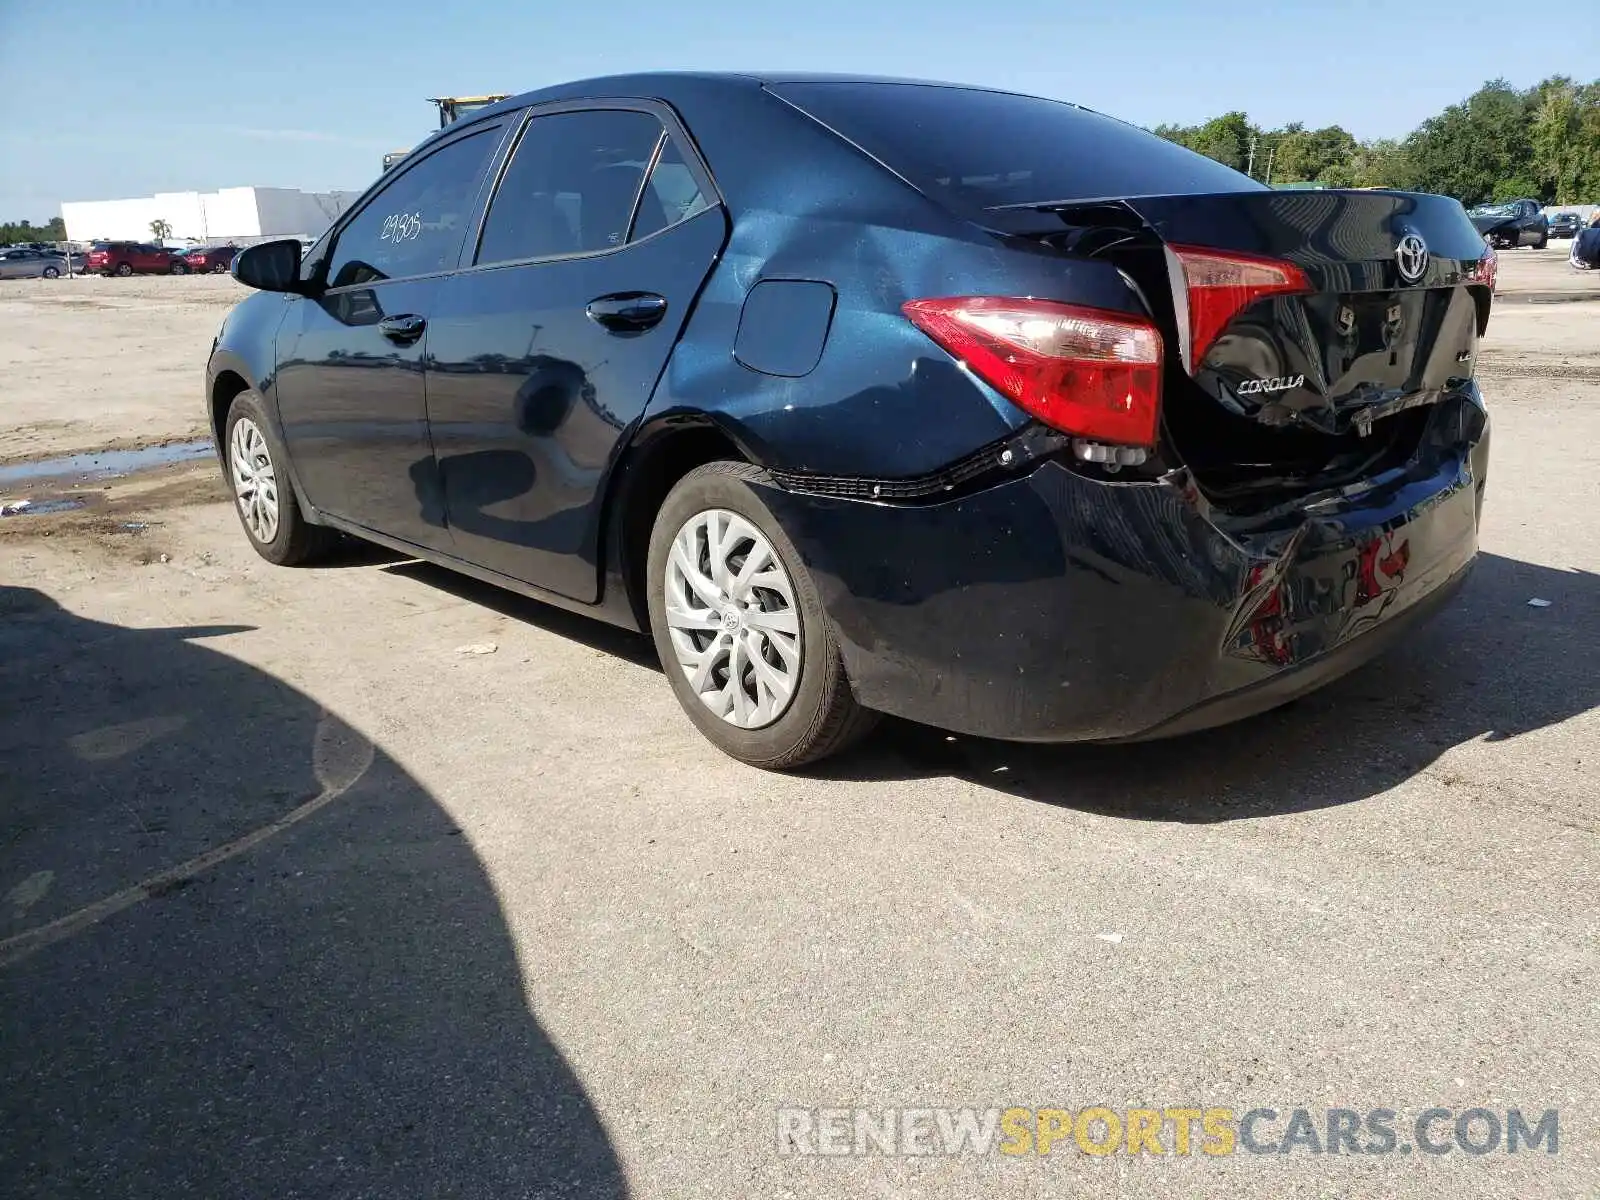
[99, 464]
[39, 508]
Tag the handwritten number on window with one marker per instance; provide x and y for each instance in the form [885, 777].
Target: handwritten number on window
[401, 227]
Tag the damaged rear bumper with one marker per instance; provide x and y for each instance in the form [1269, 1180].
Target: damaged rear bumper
[1056, 607]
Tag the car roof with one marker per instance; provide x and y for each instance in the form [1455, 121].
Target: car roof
[666, 85]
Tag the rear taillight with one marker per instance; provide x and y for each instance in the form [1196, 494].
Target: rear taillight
[1486, 269]
[1221, 285]
[1085, 371]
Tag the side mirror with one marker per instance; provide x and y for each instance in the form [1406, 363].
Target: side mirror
[269, 267]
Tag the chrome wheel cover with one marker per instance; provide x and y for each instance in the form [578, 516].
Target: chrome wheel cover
[254, 482]
[732, 618]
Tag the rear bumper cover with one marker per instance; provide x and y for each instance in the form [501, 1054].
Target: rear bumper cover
[1054, 607]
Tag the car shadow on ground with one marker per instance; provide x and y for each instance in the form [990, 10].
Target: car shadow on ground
[598, 635]
[335, 1009]
[1490, 666]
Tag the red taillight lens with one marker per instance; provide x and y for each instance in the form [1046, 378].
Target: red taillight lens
[1486, 269]
[1085, 371]
[1222, 285]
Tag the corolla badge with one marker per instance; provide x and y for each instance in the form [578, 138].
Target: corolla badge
[1255, 387]
[1411, 256]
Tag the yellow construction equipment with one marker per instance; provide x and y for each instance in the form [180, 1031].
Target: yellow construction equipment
[451, 109]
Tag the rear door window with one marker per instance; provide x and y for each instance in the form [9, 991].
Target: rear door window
[672, 194]
[974, 149]
[415, 224]
[573, 187]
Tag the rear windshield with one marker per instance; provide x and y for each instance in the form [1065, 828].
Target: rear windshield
[976, 150]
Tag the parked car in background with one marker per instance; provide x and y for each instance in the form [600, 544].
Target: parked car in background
[34, 264]
[1565, 225]
[211, 259]
[1512, 224]
[133, 258]
[1585, 254]
[1043, 428]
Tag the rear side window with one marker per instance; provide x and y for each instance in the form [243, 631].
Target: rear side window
[671, 195]
[573, 185]
[415, 224]
[975, 150]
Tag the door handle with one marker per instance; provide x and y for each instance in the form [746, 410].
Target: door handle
[403, 329]
[627, 312]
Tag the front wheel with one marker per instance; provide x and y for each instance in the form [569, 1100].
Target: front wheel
[254, 462]
[124, 269]
[179, 269]
[52, 272]
[1544, 240]
[219, 268]
[740, 628]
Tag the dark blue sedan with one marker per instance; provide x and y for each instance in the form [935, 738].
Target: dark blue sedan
[867, 396]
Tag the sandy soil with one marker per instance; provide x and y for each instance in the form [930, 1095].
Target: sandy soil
[93, 363]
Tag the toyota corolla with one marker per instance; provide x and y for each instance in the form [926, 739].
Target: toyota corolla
[866, 396]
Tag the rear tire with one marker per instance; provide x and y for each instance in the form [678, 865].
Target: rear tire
[254, 463]
[743, 627]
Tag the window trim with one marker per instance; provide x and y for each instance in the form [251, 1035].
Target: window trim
[671, 127]
[662, 139]
[390, 180]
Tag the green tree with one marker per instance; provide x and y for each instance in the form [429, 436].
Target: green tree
[26, 231]
[1382, 162]
[1182, 134]
[1471, 148]
[1301, 155]
[1566, 139]
[1498, 143]
[160, 229]
[1226, 139]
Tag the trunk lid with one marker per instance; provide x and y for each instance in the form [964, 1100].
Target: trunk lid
[1321, 382]
[1388, 322]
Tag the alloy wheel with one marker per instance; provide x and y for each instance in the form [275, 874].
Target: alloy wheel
[732, 618]
[254, 482]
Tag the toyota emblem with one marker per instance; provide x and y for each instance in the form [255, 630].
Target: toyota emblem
[1411, 256]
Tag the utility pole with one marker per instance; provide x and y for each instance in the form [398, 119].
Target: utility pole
[1271, 154]
[1250, 168]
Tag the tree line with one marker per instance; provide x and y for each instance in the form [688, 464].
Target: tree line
[1497, 144]
[55, 230]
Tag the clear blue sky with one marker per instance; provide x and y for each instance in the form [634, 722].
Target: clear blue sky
[108, 98]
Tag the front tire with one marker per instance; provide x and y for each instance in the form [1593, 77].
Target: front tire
[52, 273]
[740, 629]
[124, 269]
[1544, 240]
[254, 463]
[179, 268]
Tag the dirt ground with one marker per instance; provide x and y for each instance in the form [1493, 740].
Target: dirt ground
[92, 363]
[302, 892]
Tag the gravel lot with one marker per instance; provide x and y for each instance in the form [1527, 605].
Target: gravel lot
[297, 898]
